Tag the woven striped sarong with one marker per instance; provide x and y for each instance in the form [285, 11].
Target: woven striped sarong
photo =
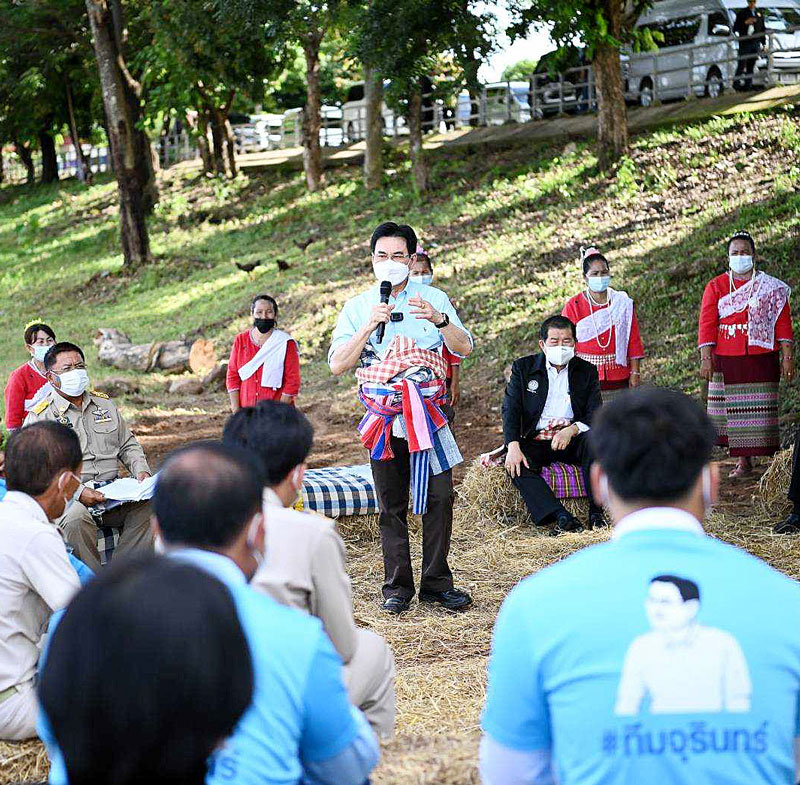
[743, 403]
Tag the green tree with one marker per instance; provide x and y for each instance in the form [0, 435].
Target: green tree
[46, 79]
[603, 26]
[199, 58]
[404, 42]
[519, 71]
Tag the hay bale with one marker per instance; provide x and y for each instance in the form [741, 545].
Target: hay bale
[773, 486]
[488, 494]
[367, 527]
[23, 761]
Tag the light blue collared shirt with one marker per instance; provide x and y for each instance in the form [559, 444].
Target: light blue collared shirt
[300, 726]
[356, 312]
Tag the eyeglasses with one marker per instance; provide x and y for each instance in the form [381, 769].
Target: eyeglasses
[395, 257]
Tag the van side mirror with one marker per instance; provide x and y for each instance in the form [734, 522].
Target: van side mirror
[720, 30]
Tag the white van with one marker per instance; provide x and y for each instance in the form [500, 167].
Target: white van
[696, 42]
[506, 102]
[354, 115]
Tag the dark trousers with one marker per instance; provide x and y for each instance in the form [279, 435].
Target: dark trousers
[745, 65]
[539, 498]
[794, 485]
[392, 482]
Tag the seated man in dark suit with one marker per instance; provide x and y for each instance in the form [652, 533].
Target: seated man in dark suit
[550, 401]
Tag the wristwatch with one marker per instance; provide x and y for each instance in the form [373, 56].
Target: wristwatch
[445, 321]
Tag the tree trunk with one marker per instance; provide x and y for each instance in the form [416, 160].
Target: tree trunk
[2, 165]
[142, 150]
[26, 157]
[49, 157]
[312, 156]
[81, 161]
[219, 141]
[612, 115]
[202, 142]
[125, 140]
[230, 147]
[373, 155]
[419, 170]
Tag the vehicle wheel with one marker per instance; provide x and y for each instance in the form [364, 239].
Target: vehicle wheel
[646, 93]
[714, 84]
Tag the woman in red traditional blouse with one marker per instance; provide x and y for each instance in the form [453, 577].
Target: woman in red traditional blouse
[264, 364]
[745, 324]
[606, 326]
[27, 385]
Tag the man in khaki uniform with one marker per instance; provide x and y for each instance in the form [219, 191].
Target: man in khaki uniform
[305, 565]
[105, 440]
[36, 577]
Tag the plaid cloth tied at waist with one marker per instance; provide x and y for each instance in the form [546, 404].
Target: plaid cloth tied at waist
[430, 442]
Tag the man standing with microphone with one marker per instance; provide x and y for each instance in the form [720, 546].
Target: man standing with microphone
[393, 334]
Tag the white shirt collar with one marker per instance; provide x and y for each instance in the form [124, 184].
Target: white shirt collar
[27, 504]
[271, 498]
[657, 518]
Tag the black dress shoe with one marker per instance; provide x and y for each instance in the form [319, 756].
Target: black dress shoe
[790, 526]
[567, 523]
[597, 520]
[452, 599]
[396, 605]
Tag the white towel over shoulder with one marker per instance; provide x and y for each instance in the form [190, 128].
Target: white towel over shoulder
[271, 358]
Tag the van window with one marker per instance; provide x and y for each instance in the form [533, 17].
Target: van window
[356, 93]
[779, 19]
[718, 18]
[681, 31]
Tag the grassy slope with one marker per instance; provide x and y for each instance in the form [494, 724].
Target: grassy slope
[504, 226]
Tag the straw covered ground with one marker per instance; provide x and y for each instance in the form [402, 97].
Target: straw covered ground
[441, 657]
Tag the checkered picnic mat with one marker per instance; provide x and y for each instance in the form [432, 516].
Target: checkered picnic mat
[107, 540]
[340, 491]
[565, 479]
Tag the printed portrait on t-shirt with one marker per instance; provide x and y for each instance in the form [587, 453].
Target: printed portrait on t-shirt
[681, 666]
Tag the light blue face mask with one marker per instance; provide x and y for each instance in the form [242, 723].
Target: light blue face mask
[740, 263]
[598, 283]
[426, 279]
[40, 351]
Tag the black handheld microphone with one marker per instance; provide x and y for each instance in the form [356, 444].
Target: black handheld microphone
[386, 290]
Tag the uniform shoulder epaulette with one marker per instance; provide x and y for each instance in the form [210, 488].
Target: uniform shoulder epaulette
[41, 406]
[99, 394]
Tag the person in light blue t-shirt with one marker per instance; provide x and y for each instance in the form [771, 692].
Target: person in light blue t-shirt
[300, 726]
[662, 656]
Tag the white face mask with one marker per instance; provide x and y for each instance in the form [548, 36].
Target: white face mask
[598, 283]
[68, 502]
[740, 263]
[394, 272]
[257, 553]
[708, 504]
[73, 383]
[426, 279]
[559, 355]
[40, 351]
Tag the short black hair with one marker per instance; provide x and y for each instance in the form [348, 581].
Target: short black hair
[652, 443]
[38, 453]
[206, 494]
[147, 672]
[59, 348]
[557, 322]
[32, 329]
[280, 435]
[689, 589]
[266, 297]
[742, 235]
[391, 229]
[595, 257]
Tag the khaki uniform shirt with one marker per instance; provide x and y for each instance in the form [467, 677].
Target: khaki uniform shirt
[305, 568]
[36, 578]
[104, 435]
